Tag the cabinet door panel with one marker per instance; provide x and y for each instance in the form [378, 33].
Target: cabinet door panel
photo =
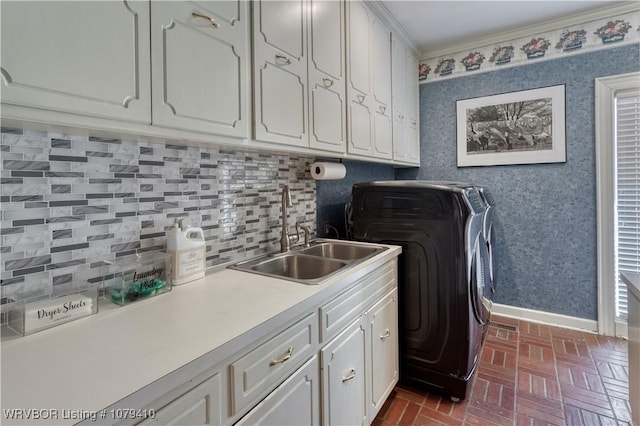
[359, 47]
[327, 37]
[199, 406]
[328, 117]
[282, 103]
[383, 143]
[360, 129]
[282, 25]
[343, 377]
[280, 72]
[381, 62]
[202, 87]
[399, 78]
[383, 326]
[413, 122]
[97, 63]
[295, 402]
[327, 107]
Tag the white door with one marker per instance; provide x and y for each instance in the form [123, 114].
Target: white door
[343, 377]
[280, 72]
[359, 84]
[295, 402]
[90, 58]
[199, 72]
[383, 327]
[327, 103]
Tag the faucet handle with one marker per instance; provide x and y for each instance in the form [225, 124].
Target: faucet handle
[307, 233]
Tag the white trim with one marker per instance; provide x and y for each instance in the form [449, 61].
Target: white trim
[618, 8]
[605, 91]
[542, 317]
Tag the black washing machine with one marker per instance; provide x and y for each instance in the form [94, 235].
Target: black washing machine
[441, 275]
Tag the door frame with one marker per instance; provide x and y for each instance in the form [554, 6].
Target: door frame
[606, 89]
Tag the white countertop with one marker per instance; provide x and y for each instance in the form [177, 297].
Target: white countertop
[632, 280]
[94, 362]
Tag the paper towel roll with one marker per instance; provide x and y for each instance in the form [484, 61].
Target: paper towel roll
[328, 171]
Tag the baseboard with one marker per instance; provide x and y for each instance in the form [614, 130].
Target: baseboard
[548, 318]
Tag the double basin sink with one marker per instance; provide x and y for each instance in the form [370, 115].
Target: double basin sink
[313, 264]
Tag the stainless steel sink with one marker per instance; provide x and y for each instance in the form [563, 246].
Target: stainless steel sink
[310, 265]
[299, 266]
[342, 251]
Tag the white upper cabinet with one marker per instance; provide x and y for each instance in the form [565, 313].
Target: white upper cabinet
[327, 103]
[404, 74]
[369, 83]
[200, 69]
[299, 71]
[89, 58]
[280, 72]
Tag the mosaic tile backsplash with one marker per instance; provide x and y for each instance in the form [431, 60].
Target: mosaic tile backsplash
[68, 201]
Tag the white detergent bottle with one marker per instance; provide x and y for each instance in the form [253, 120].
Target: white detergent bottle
[187, 248]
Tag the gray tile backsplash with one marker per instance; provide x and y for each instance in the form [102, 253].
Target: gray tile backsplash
[69, 200]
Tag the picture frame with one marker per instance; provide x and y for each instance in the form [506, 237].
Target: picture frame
[524, 127]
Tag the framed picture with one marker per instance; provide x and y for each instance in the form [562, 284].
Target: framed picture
[523, 127]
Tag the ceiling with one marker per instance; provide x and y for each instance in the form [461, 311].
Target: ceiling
[436, 25]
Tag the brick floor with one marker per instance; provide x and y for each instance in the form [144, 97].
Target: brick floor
[535, 375]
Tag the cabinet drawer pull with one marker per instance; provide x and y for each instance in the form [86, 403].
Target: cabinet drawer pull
[382, 109]
[385, 335]
[200, 15]
[283, 359]
[360, 98]
[282, 60]
[327, 81]
[351, 375]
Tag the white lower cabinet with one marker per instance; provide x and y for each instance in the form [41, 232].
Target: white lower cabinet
[295, 402]
[382, 321]
[344, 377]
[335, 364]
[199, 406]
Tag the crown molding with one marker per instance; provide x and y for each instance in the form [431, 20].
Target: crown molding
[619, 8]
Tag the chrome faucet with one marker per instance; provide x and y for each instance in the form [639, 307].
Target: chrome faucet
[285, 238]
[307, 233]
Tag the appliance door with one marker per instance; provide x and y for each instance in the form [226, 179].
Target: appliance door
[479, 281]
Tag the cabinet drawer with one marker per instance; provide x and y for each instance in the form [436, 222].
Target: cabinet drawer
[258, 372]
[343, 309]
[294, 402]
[201, 406]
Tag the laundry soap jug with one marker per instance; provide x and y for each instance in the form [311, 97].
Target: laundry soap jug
[187, 248]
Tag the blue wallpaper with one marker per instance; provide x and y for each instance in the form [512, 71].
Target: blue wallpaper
[547, 212]
[332, 194]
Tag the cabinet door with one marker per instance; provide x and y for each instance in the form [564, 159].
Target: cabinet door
[359, 84]
[89, 58]
[381, 70]
[295, 402]
[199, 73]
[199, 406]
[413, 122]
[383, 329]
[399, 96]
[327, 103]
[280, 71]
[343, 378]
